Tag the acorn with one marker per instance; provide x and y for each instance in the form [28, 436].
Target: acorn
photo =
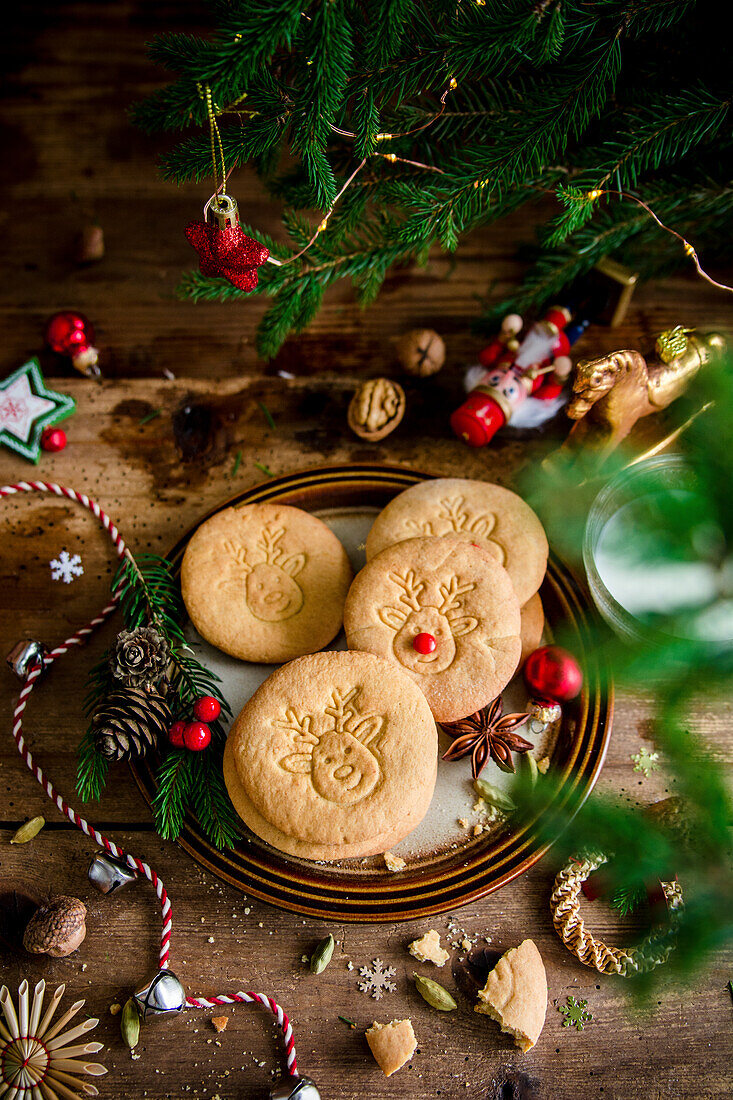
[56, 928]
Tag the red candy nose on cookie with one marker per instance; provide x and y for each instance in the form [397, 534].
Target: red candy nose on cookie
[424, 643]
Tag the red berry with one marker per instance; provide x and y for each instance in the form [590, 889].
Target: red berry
[207, 708]
[175, 734]
[196, 736]
[424, 643]
[53, 439]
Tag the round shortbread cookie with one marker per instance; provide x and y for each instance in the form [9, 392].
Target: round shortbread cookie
[533, 625]
[473, 510]
[335, 756]
[254, 821]
[265, 582]
[453, 592]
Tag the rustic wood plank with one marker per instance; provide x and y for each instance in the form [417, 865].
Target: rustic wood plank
[71, 71]
[672, 1048]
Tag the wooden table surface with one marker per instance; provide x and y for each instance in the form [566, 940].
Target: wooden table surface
[70, 156]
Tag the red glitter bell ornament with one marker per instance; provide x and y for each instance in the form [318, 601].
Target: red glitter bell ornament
[72, 334]
[552, 674]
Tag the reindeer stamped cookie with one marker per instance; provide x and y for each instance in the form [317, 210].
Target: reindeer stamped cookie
[444, 611]
[334, 756]
[265, 582]
[476, 511]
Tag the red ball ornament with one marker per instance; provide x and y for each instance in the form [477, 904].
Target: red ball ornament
[553, 673]
[207, 708]
[53, 439]
[196, 736]
[424, 643]
[72, 334]
[175, 734]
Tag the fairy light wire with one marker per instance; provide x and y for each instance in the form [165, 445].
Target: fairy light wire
[393, 158]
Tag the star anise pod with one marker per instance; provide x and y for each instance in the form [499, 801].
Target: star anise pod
[487, 734]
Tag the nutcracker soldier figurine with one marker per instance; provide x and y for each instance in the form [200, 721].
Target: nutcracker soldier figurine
[537, 366]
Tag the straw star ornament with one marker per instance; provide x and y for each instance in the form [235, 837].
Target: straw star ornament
[36, 1060]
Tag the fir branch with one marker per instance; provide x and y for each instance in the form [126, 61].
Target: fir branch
[505, 98]
[211, 802]
[91, 769]
[629, 897]
[175, 782]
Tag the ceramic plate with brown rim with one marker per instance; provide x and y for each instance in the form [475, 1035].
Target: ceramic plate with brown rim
[446, 864]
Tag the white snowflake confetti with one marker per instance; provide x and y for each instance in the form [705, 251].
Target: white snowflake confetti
[65, 567]
[377, 980]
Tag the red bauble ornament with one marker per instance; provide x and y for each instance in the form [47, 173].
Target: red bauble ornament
[227, 252]
[196, 736]
[175, 734]
[53, 439]
[424, 643]
[207, 708]
[553, 673]
[72, 334]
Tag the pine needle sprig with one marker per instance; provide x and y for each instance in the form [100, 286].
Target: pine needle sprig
[629, 95]
[149, 594]
[91, 776]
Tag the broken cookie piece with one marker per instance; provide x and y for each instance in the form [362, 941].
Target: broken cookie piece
[428, 949]
[393, 862]
[515, 994]
[220, 1022]
[391, 1044]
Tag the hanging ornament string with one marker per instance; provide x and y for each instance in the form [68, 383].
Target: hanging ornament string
[136, 864]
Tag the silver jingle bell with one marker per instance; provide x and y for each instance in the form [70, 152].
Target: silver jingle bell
[25, 655]
[161, 996]
[291, 1088]
[107, 873]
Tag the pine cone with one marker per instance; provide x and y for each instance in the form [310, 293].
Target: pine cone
[140, 657]
[129, 722]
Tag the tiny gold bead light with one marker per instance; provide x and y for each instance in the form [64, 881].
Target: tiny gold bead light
[689, 250]
[323, 225]
[453, 83]
[391, 156]
[594, 195]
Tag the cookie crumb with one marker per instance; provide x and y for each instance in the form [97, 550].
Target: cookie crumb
[114, 1009]
[393, 862]
[220, 1022]
[428, 949]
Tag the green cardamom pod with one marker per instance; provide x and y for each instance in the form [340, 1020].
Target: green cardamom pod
[434, 994]
[28, 830]
[530, 766]
[130, 1024]
[494, 796]
[321, 957]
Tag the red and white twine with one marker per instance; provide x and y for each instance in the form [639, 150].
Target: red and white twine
[76, 819]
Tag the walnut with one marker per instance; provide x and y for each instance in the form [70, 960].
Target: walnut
[56, 928]
[421, 352]
[376, 408]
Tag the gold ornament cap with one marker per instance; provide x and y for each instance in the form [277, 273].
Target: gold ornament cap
[223, 211]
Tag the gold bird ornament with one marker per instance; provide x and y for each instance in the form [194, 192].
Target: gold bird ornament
[610, 394]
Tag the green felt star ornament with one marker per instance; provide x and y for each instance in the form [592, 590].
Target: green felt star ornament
[27, 406]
